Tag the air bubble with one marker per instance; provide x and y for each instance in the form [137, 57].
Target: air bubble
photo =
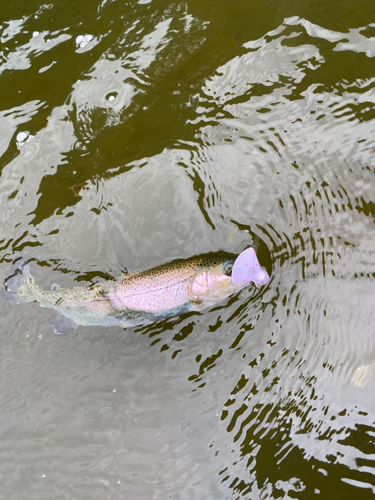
[111, 96]
[83, 40]
[22, 136]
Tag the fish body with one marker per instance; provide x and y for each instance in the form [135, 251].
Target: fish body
[135, 298]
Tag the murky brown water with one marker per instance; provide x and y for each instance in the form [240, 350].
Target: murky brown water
[136, 133]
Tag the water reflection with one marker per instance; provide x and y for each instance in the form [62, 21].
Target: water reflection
[136, 134]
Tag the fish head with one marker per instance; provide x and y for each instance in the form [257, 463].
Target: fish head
[219, 277]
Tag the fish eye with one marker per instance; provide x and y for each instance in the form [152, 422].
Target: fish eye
[227, 268]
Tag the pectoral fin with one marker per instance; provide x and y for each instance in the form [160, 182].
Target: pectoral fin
[196, 301]
[61, 324]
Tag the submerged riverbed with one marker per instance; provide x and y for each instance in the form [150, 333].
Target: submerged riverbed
[135, 133]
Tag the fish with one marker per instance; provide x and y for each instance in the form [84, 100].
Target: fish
[139, 297]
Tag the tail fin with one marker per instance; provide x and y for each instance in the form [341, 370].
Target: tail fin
[16, 280]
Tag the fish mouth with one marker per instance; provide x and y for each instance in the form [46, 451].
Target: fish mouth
[246, 268]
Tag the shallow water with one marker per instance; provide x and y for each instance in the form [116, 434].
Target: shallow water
[136, 133]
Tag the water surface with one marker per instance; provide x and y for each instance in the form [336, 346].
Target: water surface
[134, 133]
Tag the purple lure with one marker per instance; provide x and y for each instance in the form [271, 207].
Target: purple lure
[246, 268]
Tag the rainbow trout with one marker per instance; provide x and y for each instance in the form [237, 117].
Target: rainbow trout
[141, 297]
